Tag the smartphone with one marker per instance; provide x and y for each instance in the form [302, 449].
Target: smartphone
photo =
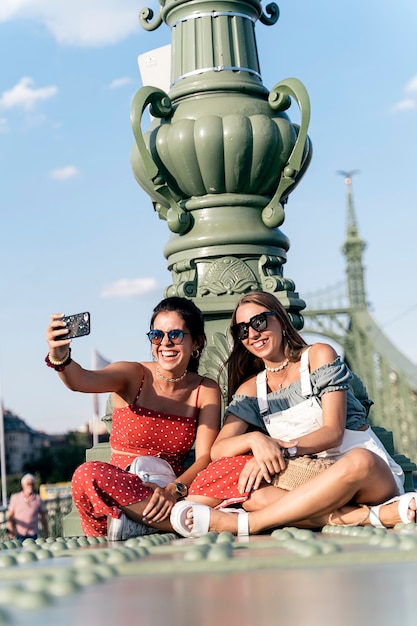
[78, 325]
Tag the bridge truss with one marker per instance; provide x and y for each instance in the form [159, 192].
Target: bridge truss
[390, 378]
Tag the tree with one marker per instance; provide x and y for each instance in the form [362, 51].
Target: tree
[58, 462]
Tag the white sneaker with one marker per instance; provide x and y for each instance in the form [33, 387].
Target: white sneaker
[125, 528]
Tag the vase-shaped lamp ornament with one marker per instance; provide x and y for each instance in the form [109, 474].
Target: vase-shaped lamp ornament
[219, 160]
[221, 155]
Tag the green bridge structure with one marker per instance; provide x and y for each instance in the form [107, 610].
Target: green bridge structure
[389, 377]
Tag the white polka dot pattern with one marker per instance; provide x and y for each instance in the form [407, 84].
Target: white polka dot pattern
[136, 428]
[100, 489]
[220, 480]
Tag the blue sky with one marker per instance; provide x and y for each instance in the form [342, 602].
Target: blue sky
[77, 231]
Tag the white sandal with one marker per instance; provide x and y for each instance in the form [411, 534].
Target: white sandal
[201, 519]
[403, 508]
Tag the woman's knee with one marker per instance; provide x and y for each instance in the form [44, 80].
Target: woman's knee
[87, 472]
[358, 464]
[263, 497]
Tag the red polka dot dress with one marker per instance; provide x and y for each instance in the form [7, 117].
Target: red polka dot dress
[220, 479]
[100, 489]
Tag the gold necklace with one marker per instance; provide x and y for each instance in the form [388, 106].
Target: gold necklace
[171, 380]
[279, 368]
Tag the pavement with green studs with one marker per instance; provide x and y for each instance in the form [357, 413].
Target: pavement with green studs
[343, 575]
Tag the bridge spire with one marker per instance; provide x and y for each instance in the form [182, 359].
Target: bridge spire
[353, 250]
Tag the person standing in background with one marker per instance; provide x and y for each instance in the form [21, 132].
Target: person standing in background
[25, 509]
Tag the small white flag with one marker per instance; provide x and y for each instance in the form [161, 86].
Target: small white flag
[98, 363]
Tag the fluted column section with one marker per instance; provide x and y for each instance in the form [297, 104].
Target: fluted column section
[220, 159]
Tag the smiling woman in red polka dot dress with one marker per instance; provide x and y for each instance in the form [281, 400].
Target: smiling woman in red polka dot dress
[160, 409]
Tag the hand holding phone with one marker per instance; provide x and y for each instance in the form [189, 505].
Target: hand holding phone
[78, 325]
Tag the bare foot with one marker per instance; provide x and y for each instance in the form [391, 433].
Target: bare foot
[402, 509]
[350, 516]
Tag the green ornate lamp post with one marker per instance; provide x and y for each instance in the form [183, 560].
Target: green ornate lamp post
[219, 160]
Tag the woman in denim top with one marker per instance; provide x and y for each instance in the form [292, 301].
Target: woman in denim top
[266, 355]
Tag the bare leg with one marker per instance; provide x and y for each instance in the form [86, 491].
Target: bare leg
[360, 476]
[135, 512]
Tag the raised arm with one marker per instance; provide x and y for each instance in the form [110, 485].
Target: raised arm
[115, 377]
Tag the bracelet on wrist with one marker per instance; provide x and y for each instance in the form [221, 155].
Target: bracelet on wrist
[59, 366]
[61, 361]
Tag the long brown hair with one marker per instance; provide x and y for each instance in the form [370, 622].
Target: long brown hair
[241, 363]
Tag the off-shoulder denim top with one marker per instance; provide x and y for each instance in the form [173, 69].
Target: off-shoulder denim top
[334, 376]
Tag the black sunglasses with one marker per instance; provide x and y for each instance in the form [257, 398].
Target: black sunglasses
[257, 322]
[175, 336]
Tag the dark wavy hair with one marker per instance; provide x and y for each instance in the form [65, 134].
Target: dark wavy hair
[241, 363]
[193, 319]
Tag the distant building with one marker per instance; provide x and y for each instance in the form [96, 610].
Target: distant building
[22, 443]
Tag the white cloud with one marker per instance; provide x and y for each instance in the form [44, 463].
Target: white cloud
[23, 95]
[65, 173]
[120, 82]
[127, 288]
[411, 86]
[405, 105]
[78, 22]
